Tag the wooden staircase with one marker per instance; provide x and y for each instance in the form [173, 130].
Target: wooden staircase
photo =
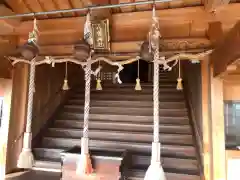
[121, 118]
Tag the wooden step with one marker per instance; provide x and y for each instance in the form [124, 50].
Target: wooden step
[116, 96]
[147, 111]
[135, 118]
[136, 174]
[182, 139]
[126, 126]
[172, 150]
[120, 103]
[170, 90]
[53, 160]
[167, 162]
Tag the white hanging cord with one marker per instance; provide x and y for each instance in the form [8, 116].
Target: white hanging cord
[156, 98]
[179, 68]
[138, 69]
[66, 71]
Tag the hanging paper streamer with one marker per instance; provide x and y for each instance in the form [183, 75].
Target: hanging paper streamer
[88, 30]
[179, 79]
[138, 85]
[65, 83]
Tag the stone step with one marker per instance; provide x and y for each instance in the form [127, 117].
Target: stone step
[167, 150]
[168, 118]
[112, 135]
[126, 126]
[147, 111]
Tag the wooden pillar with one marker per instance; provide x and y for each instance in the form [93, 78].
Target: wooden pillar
[18, 114]
[217, 128]
[206, 121]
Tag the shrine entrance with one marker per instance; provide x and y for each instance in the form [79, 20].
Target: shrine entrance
[130, 72]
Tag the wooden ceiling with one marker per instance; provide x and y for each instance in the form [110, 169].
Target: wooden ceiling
[184, 24]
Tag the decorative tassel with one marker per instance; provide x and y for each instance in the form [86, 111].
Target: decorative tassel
[138, 85]
[99, 86]
[84, 166]
[179, 79]
[179, 84]
[65, 84]
[26, 158]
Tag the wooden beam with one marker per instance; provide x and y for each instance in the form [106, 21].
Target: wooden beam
[217, 128]
[226, 52]
[48, 5]
[35, 6]
[64, 4]
[214, 5]
[126, 8]
[144, 7]
[215, 32]
[129, 46]
[18, 6]
[173, 22]
[7, 26]
[206, 120]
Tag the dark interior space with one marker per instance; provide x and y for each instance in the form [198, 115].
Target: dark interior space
[130, 72]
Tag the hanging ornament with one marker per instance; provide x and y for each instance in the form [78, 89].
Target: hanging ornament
[65, 83]
[155, 170]
[179, 79]
[138, 85]
[98, 85]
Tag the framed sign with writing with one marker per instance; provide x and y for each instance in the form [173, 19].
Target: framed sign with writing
[101, 37]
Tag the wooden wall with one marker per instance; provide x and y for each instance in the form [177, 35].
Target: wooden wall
[47, 98]
[193, 92]
[5, 68]
[192, 80]
[231, 91]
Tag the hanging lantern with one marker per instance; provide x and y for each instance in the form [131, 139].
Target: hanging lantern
[82, 50]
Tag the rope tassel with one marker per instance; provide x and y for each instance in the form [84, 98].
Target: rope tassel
[179, 79]
[65, 83]
[26, 158]
[138, 85]
[84, 165]
[98, 85]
